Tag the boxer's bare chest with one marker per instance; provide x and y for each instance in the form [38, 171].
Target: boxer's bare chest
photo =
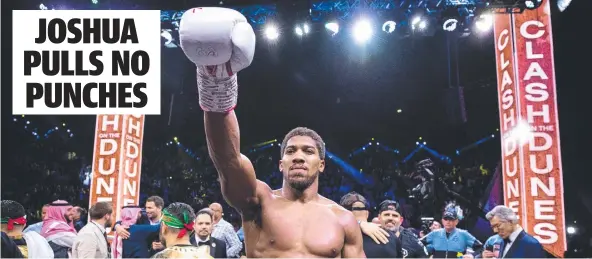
[292, 229]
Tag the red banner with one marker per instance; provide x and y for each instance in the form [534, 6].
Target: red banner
[117, 161]
[509, 113]
[542, 153]
[132, 159]
[537, 128]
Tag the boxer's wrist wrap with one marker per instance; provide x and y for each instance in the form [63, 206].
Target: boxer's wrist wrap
[217, 94]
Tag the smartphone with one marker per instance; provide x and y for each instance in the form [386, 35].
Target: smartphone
[489, 248]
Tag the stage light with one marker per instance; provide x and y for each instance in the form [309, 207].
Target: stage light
[450, 25]
[423, 25]
[416, 20]
[301, 30]
[484, 22]
[533, 4]
[362, 31]
[271, 32]
[389, 26]
[333, 27]
[521, 133]
[168, 38]
[298, 31]
[571, 230]
[399, 111]
[563, 4]
[42, 7]
[418, 23]
[95, 1]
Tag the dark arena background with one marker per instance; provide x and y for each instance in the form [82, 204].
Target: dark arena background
[416, 84]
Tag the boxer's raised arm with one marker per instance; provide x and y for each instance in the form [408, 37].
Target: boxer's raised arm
[237, 175]
[220, 42]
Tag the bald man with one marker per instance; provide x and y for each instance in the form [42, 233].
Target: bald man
[224, 231]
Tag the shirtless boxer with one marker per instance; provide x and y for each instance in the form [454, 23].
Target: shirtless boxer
[294, 221]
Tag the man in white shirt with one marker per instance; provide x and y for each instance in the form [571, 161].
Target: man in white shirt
[91, 241]
[224, 231]
[513, 241]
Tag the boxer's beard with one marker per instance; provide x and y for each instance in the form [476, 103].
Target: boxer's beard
[301, 185]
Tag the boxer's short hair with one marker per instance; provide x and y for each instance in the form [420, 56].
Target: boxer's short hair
[100, 209]
[12, 209]
[305, 132]
[158, 202]
[348, 200]
[206, 211]
[179, 210]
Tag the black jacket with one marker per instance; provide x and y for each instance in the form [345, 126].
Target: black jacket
[217, 247]
[411, 246]
[392, 249]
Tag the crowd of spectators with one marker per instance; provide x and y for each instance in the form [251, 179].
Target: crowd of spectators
[39, 170]
[47, 169]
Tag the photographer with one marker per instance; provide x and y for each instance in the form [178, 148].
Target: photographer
[427, 228]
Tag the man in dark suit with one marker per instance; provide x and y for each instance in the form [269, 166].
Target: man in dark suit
[202, 237]
[512, 240]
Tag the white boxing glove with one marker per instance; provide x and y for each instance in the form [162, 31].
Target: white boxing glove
[220, 42]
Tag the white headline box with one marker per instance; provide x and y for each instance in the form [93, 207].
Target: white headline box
[74, 62]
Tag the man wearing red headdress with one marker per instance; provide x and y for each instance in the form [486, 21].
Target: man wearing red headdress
[28, 245]
[58, 229]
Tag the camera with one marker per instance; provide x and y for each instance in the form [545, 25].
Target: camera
[426, 222]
